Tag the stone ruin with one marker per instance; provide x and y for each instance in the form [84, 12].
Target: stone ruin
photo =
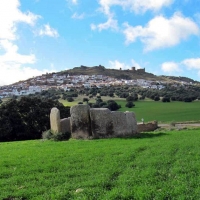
[92, 123]
[151, 126]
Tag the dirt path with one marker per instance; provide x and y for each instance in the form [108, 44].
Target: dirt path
[180, 125]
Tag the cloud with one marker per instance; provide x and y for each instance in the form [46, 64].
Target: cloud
[138, 6]
[78, 16]
[13, 65]
[170, 67]
[110, 23]
[187, 64]
[161, 32]
[75, 2]
[119, 65]
[192, 63]
[12, 69]
[48, 31]
[10, 15]
[135, 64]
[12, 56]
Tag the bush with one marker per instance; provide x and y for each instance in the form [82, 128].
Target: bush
[85, 99]
[156, 98]
[130, 104]
[165, 99]
[187, 99]
[80, 102]
[130, 98]
[48, 135]
[95, 105]
[112, 105]
[70, 99]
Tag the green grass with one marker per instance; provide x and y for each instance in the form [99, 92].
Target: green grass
[162, 165]
[164, 112]
[151, 110]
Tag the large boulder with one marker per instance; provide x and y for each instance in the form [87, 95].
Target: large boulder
[55, 120]
[80, 122]
[101, 122]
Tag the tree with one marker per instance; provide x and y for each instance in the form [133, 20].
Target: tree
[1, 101]
[165, 99]
[70, 99]
[27, 118]
[130, 104]
[130, 98]
[156, 98]
[112, 105]
[85, 100]
[187, 99]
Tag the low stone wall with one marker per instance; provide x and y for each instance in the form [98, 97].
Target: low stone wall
[151, 126]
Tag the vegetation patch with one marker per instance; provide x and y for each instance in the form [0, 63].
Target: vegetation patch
[160, 165]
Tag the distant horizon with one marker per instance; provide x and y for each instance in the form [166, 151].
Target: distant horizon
[37, 37]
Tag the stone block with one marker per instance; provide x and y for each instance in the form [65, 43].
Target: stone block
[80, 122]
[101, 122]
[55, 120]
[65, 125]
[131, 124]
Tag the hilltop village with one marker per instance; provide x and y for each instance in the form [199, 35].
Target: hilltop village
[59, 81]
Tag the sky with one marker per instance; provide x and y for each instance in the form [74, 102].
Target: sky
[40, 36]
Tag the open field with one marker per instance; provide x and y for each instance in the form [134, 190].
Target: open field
[162, 165]
[165, 112]
[151, 110]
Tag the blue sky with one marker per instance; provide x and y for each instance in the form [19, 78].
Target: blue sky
[37, 36]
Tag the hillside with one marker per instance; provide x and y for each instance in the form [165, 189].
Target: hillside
[122, 74]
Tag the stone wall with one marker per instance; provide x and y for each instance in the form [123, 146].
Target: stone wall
[151, 126]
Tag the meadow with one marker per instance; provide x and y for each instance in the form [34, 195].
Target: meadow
[149, 110]
[159, 165]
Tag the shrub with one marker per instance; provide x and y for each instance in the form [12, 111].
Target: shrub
[165, 99]
[156, 98]
[96, 105]
[130, 104]
[85, 99]
[187, 99]
[48, 135]
[112, 105]
[130, 98]
[70, 99]
[80, 102]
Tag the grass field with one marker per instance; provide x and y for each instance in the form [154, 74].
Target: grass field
[151, 110]
[165, 112]
[162, 165]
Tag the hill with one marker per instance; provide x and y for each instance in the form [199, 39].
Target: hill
[123, 74]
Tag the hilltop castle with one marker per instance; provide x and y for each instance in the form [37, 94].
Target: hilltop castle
[138, 70]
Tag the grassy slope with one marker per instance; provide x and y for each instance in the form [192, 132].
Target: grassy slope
[155, 166]
[151, 110]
